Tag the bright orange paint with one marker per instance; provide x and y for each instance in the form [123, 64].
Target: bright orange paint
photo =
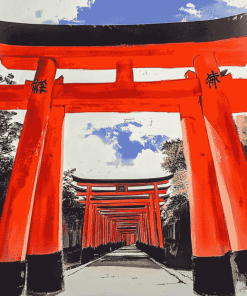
[17, 212]
[45, 233]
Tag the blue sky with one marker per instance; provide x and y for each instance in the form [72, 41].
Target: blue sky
[156, 11]
[126, 150]
[106, 12]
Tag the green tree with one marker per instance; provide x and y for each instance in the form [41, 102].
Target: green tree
[73, 212]
[174, 162]
[10, 132]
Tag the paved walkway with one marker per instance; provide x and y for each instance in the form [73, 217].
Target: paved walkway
[126, 272]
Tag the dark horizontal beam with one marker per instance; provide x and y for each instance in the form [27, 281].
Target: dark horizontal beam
[112, 35]
[122, 181]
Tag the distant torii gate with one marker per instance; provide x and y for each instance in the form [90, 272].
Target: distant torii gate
[31, 225]
[118, 199]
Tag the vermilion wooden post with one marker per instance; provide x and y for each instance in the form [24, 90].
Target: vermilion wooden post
[155, 225]
[90, 225]
[141, 229]
[44, 252]
[160, 236]
[95, 233]
[97, 229]
[210, 243]
[104, 229]
[17, 212]
[152, 221]
[100, 227]
[228, 153]
[111, 239]
[92, 232]
[114, 231]
[107, 230]
[86, 218]
[124, 73]
[145, 228]
[148, 226]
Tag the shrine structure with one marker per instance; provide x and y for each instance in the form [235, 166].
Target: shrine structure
[119, 210]
[30, 228]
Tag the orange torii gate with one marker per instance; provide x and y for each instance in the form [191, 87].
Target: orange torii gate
[118, 199]
[30, 228]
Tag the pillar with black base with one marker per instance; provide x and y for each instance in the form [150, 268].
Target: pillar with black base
[210, 242]
[17, 212]
[228, 153]
[44, 253]
[213, 275]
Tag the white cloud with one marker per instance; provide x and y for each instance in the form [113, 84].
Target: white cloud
[159, 123]
[91, 156]
[190, 5]
[37, 12]
[88, 155]
[236, 3]
[94, 156]
[191, 9]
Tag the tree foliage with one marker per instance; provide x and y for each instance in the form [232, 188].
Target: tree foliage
[174, 162]
[73, 212]
[10, 132]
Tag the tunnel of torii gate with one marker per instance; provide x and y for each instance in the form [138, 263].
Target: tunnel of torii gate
[31, 228]
[122, 210]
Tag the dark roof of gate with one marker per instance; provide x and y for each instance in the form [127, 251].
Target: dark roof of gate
[110, 35]
[121, 181]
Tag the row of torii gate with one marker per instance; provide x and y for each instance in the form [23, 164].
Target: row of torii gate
[122, 210]
[31, 228]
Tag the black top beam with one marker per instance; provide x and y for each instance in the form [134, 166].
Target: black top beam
[121, 181]
[110, 35]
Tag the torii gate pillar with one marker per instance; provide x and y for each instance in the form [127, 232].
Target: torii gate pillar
[17, 212]
[227, 150]
[228, 153]
[210, 243]
[44, 253]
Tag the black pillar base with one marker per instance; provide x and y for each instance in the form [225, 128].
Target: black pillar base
[12, 278]
[45, 273]
[213, 275]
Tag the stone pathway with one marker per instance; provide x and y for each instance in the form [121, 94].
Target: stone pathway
[126, 272]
